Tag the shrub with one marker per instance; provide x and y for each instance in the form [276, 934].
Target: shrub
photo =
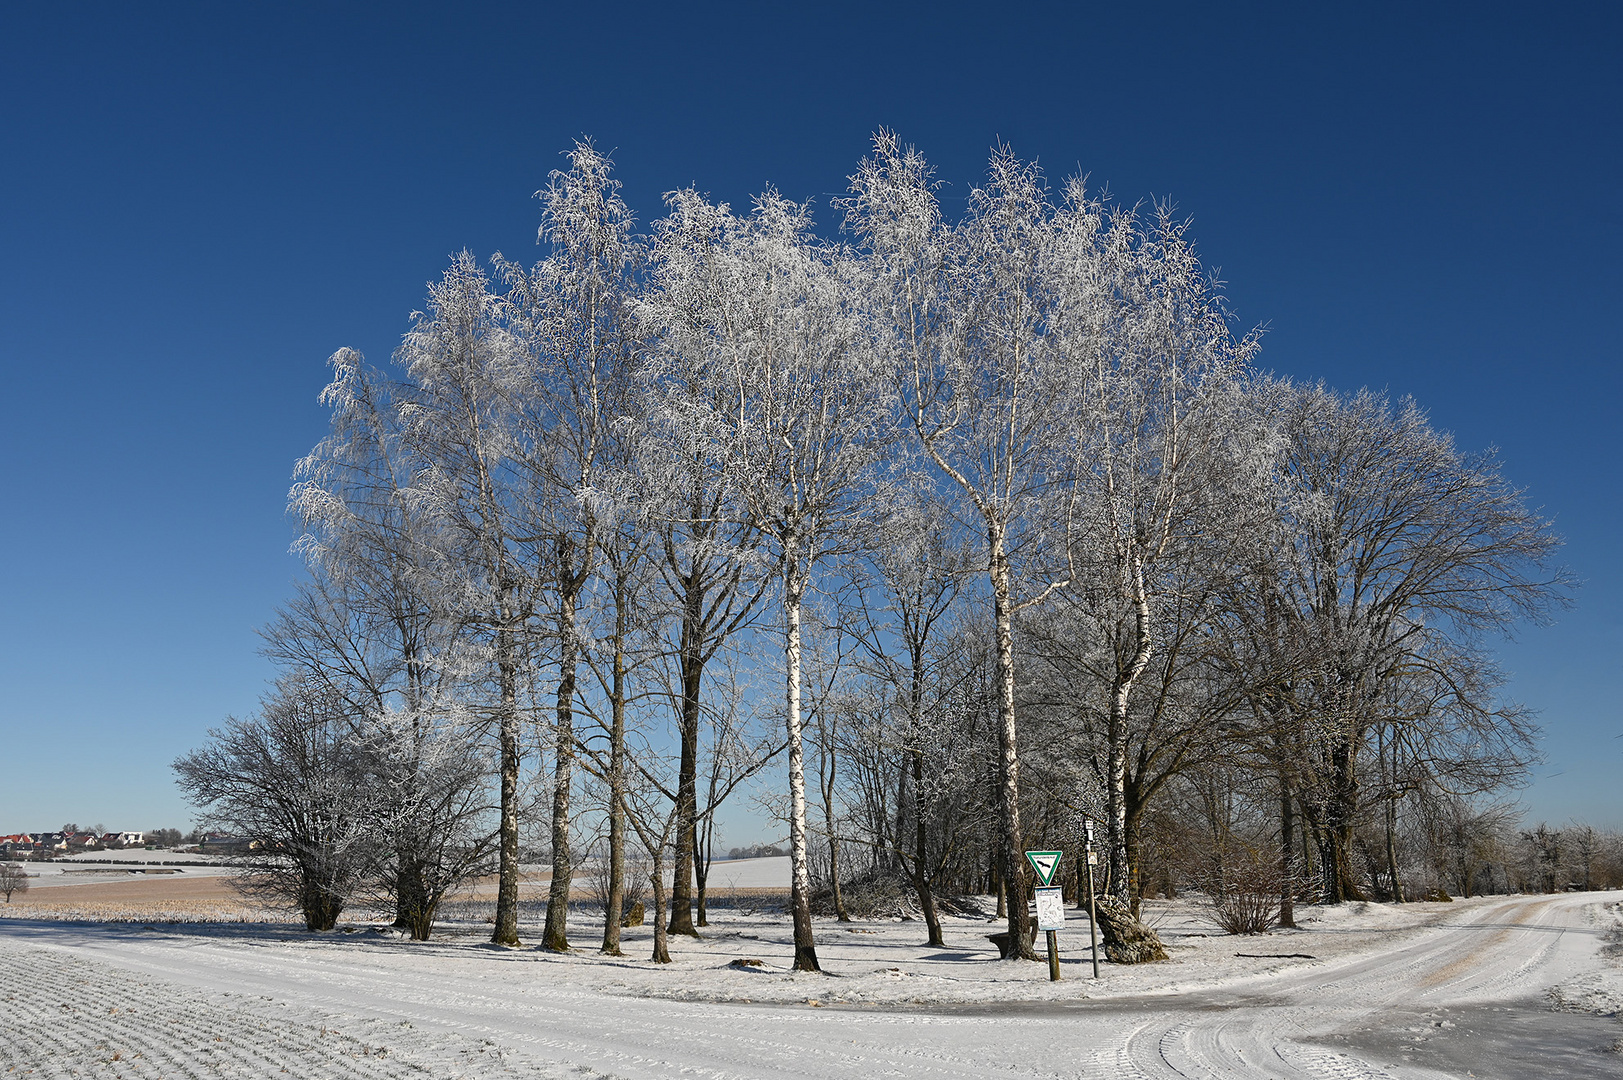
[1244, 895]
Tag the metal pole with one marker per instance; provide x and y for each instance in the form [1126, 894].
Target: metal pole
[1093, 910]
[1053, 956]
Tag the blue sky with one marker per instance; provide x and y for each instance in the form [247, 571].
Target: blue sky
[198, 204]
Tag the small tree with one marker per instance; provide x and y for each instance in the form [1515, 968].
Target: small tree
[290, 781]
[12, 879]
[654, 820]
[427, 777]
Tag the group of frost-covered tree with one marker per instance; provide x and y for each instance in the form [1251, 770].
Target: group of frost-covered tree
[972, 519]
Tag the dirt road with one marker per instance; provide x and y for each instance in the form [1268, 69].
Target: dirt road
[1462, 997]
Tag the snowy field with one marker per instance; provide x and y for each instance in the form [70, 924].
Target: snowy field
[1507, 987]
[95, 868]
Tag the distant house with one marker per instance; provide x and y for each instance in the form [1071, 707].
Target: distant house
[17, 845]
[51, 841]
[130, 839]
[83, 841]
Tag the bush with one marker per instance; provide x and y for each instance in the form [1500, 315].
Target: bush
[869, 895]
[634, 888]
[1244, 896]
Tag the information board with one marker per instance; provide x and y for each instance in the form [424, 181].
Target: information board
[1050, 909]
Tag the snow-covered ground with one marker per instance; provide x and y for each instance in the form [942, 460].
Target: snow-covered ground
[1418, 990]
[773, 873]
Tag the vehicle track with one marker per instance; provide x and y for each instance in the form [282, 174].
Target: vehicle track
[1494, 952]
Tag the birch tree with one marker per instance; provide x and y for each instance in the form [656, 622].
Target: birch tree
[574, 314]
[1143, 324]
[469, 377]
[709, 567]
[798, 414]
[990, 402]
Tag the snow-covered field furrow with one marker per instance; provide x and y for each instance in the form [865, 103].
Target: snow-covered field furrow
[252, 1002]
[64, 1016]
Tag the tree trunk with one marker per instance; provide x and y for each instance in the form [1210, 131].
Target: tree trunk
[1392, 852]
[321, 910]
[506, 931]
[701, 878]
[1287, 853]
[1308, 869]
[1125, 939]
[555, 937]
[1335, 866]
[617, 777]
[662, 953]
[827, 784]
[409, 890]
[1391, 826]
[800, 886]
[413, 907]
[1135, 811]
[687, 785]
[1126, 678]
[1335, 838]
[422, 921]
[921, 852]
[840, 914]
[1013, 854]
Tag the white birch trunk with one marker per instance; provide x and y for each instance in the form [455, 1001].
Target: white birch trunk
[1121, 887]
[506, 931]
[1013, 853]
[794, 586]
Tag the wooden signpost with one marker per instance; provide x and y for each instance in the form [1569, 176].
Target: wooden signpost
[1093, 911]
[1050, 904]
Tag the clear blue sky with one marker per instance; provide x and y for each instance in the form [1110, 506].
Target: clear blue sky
[198, 204]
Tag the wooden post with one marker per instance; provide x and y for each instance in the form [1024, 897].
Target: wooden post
[1093, 910]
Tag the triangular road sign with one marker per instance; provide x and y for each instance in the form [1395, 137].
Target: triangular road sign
[1045, 863]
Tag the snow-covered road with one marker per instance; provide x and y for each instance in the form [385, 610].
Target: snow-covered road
[253, 1004]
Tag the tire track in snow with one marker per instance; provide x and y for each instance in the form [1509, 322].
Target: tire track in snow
[1483, 956]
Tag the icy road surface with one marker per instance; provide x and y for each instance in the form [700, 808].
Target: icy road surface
[1468, 994]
